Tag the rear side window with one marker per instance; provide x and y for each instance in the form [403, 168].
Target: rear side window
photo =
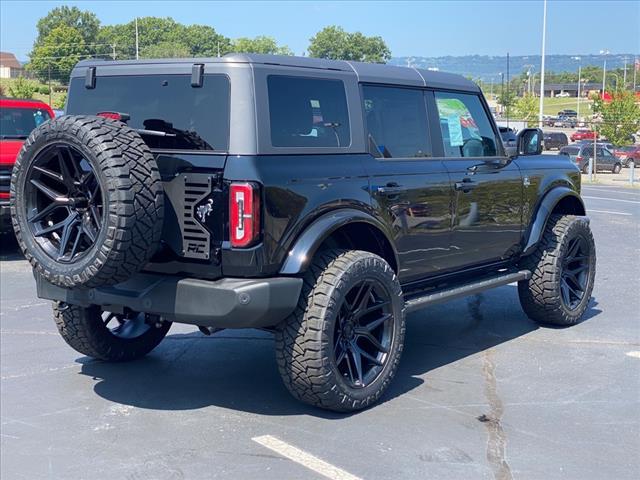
[466, 129]
[18, 122]
[396, 120]
[308, 112]
[192, 118]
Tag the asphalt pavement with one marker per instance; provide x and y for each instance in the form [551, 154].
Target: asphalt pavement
[482, 392]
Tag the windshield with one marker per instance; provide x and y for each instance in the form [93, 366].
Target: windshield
[17, 123]
[192, 118]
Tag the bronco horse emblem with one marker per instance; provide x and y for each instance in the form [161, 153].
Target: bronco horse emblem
[203, 211]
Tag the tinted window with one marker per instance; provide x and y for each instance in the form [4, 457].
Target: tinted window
[193, 118]
[396, 120]
[466, 129]
[308, 112]
[18, 122]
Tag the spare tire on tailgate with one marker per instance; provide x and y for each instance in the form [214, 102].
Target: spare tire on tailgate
[86, 201]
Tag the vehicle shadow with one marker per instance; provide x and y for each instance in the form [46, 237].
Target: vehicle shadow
[9, 249]
[237, 369]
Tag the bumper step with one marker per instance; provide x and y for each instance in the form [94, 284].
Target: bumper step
[423, 299]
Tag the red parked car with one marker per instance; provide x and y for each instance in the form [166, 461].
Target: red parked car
[627, 154]
[583, 134]
[17, 119]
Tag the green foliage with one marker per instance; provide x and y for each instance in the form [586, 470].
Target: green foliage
[57, 53]
[507, 99]
[43, 89]
[59, 101]
[619, 118]
[260, 44]
[335, 43]
[165, 50]
[527, 109]
[199, 40]
[2, 91]
[85, 22]
[23, 88]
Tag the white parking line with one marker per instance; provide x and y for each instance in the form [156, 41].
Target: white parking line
[303, 458]
[599, 189]
[612, 199]
[608, 211]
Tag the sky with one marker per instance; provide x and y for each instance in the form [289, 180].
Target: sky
[410, 28]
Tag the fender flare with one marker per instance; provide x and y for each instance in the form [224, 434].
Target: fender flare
[319, 230]
[544, 209]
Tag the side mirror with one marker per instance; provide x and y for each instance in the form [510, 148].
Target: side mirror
[530, 142]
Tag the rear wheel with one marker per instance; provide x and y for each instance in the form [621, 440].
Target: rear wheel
[563, 269]
[86, 201]
[106, 335]
[341, 347]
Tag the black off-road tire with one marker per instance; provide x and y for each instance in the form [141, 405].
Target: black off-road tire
[133, 200]
[84, 330]
[540, 296]
[304, 342]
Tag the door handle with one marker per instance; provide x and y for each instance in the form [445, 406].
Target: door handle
[466, 185]
[390, 189]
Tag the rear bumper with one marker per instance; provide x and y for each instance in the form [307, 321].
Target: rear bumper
[224, 303]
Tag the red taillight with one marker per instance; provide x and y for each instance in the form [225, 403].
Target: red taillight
[244, 214]
[578, 159]
[121, 117]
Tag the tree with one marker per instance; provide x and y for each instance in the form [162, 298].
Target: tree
[165, 50]
[85, 22]
[57, 53]
[335, 43]
[200, 40]
[507, 99]
[527, 109]
[260, 44]
[619, 118]
[23, 88]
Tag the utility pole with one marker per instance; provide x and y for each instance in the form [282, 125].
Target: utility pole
[544, 38]
[624, 77]
[113, 51]
[218, 42]
[137, 52]
[635, 71]
[579, 59]
[604, 71]
[508, 97]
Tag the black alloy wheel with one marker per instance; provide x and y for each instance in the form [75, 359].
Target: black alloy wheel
[64, 203]
[363, 333]
[575, 273]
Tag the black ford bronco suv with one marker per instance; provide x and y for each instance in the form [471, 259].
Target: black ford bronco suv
[321, 200]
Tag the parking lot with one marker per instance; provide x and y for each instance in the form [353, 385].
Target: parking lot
[482, 392]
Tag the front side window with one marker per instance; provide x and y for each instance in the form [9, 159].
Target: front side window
[18, 122]
[396, 120]
[466, 129]
[308, 112]
[190, 118]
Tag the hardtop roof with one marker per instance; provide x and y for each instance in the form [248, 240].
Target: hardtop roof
[365, 72]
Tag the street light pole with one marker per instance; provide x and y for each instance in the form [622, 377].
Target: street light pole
[579, 78]
[137, 52]
[624, 77]
[544, 37]
[604, 71]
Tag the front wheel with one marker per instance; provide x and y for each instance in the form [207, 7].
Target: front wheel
[563, 269]
[109, 336]
[616, 168]
[341, 347]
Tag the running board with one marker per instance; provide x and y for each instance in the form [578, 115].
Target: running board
[419, 301]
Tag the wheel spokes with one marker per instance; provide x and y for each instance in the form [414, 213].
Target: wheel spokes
[49, 192]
